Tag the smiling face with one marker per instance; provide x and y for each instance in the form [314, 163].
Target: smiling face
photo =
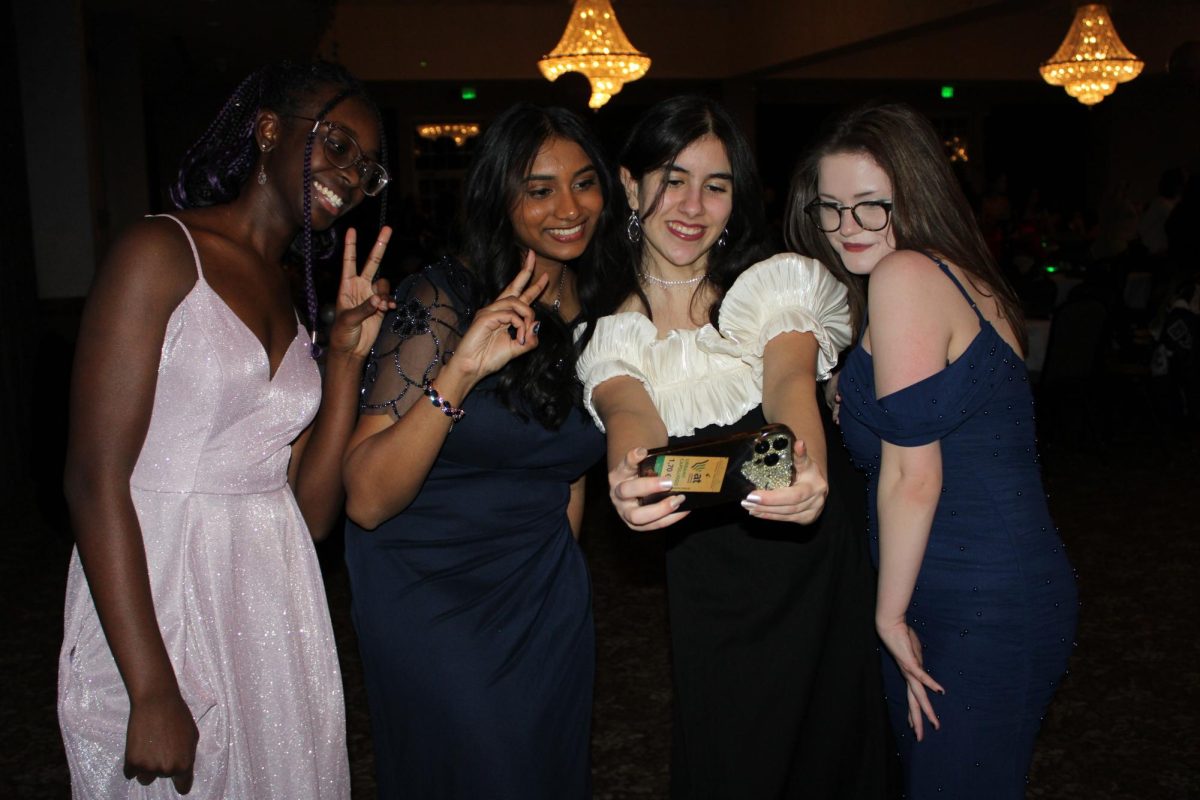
[684, 207]
[335, 190]
[846, 179]
[558, 203]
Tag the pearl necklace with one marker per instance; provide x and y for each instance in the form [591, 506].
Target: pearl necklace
[646, 276]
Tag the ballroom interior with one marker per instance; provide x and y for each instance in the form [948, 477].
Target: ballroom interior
[107, 95]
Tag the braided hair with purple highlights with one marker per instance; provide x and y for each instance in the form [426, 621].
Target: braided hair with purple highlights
[219, 164]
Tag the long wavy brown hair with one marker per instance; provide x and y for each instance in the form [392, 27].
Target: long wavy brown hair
[930, 213]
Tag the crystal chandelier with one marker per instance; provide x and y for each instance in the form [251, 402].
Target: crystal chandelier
[1091, 60]
[458, 131]
[594, 44]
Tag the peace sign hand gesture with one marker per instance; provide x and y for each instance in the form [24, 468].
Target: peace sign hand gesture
[503, 330]
[362, 300]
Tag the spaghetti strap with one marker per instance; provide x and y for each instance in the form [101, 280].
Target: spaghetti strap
[191, 241]
[950, 275]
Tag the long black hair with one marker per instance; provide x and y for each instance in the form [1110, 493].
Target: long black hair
[662, 133]
[219, 164]
[930, 212]
[542, 383]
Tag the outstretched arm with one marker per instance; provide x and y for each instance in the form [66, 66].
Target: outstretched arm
[145, 276]
[633, 426]
[790, 397]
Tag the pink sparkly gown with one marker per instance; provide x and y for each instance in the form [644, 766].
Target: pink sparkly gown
[237, 590]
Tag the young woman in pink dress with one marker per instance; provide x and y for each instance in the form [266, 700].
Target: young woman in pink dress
[205, 448]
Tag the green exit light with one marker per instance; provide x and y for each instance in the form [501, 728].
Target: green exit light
[468, 93]
[1051, 268]
[947, 92]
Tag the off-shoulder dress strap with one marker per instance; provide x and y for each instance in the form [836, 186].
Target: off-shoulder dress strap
[191, 242]
[961, 288]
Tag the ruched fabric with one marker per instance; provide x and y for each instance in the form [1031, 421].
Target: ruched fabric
[994, 603]
[702, 377]
[775, 673]
[473, 605]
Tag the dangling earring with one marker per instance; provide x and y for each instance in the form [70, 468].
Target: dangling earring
[262, 168]
[633, 228]
[723, 239]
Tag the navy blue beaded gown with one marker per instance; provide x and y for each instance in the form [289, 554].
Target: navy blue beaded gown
[995, 602]
[473, 605]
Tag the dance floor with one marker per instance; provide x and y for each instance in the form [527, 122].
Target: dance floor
[1124, 724]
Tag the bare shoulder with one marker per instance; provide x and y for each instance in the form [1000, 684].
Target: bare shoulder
[907, 281]
[906, 268]
[634, 304]
[151, 260]
[146, 274]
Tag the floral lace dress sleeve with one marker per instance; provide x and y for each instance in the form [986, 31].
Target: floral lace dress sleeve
[432, 313]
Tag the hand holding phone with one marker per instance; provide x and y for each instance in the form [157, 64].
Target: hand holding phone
[725, 469]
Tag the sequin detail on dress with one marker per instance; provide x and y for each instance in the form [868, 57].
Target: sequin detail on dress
[237, 588]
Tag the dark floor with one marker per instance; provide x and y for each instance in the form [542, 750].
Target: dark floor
[1124, 491]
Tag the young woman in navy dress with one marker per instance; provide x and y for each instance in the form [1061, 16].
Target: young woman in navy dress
[976, 600]
[472, 600]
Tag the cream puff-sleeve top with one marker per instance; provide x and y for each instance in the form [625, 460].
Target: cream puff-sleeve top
[706, 376]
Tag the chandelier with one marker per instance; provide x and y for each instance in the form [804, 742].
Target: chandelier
[594, 44]
[458, 131]
[1091, 60]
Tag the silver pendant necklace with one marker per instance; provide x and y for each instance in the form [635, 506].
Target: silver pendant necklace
[562, 279]
[646, 276]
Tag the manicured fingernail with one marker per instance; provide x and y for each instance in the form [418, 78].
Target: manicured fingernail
[753, 498]
[746, 504]
[677, 500]
[536, 327]
[666, 484]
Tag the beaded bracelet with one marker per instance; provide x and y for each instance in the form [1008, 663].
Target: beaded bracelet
[455, 414]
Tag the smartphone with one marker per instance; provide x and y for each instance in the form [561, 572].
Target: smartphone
[724, 469]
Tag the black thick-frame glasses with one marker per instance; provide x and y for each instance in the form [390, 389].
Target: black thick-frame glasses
[343, 151]
[871, 215]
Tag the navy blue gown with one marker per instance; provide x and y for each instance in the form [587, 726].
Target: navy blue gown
[473, 605]
[995, 603]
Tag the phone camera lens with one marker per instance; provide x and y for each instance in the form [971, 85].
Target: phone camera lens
[771, 459]
[761, 446]
[780, 443]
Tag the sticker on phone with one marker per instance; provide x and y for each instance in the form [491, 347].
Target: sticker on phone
[692, 473]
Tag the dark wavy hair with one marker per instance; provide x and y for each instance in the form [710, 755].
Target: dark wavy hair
[219, 164]
[657, 139]
[540, 384]
[930, 213]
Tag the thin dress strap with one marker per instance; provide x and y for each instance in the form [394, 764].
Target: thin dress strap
[950, 275]
[196, 254]
[191, 241]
